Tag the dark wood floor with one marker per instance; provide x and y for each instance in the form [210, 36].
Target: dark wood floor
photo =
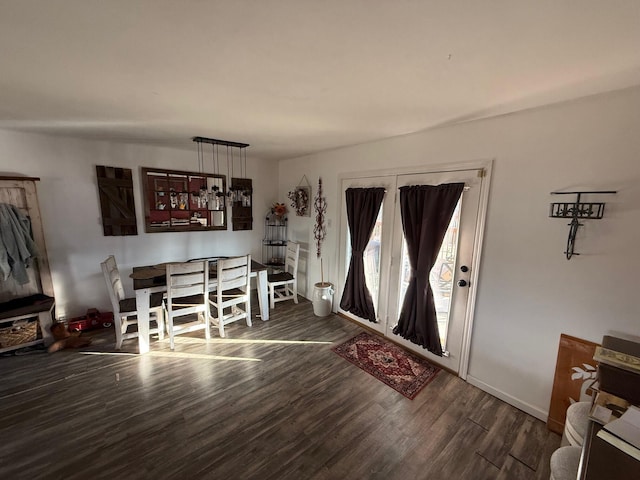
[269, 402]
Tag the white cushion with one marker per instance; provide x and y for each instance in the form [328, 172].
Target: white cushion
[564, 463]
[576, 423]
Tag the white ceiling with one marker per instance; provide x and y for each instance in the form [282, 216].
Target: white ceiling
[292, 77]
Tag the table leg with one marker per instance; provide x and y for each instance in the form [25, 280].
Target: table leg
[142, 306]
[263, 295]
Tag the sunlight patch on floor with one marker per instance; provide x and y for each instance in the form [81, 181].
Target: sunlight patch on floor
[176, 355]
[189, 340]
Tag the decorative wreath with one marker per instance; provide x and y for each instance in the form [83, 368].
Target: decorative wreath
[300, 201]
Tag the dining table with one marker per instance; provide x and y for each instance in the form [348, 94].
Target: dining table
[150, 279]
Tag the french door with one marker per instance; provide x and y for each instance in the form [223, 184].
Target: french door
[387, 269]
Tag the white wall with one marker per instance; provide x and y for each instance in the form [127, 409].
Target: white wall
[69, 202]
[528, 293]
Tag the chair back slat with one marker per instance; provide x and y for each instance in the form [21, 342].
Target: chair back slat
[186, 267]
[235, 261]
[233, 273]
[186, 279]
[180, 291]
[234, 283]
[291, 259]
[113, 281]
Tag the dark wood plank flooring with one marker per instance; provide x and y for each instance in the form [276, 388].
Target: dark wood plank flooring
[268, 402]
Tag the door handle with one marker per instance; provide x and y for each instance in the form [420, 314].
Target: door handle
[463, 283]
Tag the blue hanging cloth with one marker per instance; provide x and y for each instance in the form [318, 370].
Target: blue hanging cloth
[17, 247]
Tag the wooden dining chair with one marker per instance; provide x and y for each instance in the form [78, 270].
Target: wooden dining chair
[284, 285]
[125, 310]
[187, 292]
[233, 289]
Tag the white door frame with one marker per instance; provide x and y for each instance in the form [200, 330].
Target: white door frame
[486, 167]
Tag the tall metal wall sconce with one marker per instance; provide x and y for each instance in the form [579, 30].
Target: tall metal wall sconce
[240, 191]
[577, 211]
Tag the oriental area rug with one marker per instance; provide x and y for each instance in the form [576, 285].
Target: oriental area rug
[402, 371]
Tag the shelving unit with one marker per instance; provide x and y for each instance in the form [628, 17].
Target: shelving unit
[177, 201]
[274, 244]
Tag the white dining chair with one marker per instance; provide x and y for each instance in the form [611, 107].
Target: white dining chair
[233, 289]
[125, 310]
[284, 285]
[187, 290]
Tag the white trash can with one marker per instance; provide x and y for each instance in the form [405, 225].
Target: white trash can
[323, 299]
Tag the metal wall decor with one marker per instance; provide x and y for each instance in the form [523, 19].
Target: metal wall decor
[300, 198]
[577, 211]
[320, 230]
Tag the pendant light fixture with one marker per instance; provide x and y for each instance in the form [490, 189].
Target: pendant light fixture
[200, 196]
[217, 195]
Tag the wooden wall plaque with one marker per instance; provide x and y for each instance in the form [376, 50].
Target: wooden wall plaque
[575, 374]
[115, 186]
[242, 204]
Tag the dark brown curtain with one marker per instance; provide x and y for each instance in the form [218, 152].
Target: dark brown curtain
[363, 205]
[426, 211]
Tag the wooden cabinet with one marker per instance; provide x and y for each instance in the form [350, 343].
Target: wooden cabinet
[601, 459]
[26, 304]
[241, 205]
[177, 201]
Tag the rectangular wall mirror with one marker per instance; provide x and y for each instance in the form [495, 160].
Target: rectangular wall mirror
[177, 201]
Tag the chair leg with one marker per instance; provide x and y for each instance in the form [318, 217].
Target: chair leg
[221, 322]
[117, 319]
[247, 306]
[160, 320]
[272, 294]
[170, 330]
[207, 323]
[294, 291]
[218, 317]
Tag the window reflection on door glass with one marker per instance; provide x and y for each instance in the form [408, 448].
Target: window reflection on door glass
[441, 276]
[371, 257]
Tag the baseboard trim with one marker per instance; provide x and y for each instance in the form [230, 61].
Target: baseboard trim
[505, 397]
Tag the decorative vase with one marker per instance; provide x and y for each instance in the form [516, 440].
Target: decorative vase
[323, 299]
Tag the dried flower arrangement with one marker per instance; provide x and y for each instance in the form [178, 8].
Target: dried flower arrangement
[279, 209]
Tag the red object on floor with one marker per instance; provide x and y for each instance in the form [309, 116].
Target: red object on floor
[93, 319]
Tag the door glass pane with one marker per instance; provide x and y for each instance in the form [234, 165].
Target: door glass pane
[441, 276]
[371, 258]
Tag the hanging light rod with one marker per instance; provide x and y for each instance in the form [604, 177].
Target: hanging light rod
[213, 141]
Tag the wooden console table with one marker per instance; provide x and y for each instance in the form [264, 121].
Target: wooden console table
[600, 460]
